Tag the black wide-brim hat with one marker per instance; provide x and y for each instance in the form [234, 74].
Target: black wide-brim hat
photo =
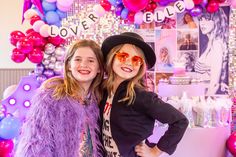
[130, 38]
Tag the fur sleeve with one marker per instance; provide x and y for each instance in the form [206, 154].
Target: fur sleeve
[36, 136]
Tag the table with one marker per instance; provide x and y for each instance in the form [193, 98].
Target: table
[198, 142]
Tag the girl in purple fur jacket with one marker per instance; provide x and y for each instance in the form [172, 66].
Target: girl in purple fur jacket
[63, 119]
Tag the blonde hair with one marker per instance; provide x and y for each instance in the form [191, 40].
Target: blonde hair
[68, 85]
[137, 81]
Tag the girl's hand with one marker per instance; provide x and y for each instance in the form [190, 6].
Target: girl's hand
[143, 150]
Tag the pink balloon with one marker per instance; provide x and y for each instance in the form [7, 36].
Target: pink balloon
[17, 56]
[196, 2]
[65, 3]
[63, 8]
[28, 31]
[36, 38]
[24, 45]
[221, 1]
[231, 143]
[135, 5]
[37, 25]
[56, 41]
[105, 4]
[15, 36]
[6, 147]
[233, 4]
[35, 56]
[138, 18]
[212, 6]
[34, 18]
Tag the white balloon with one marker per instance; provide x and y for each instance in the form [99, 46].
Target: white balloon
[60, 51]
[9, 91]
[99, 10]
[44, 30]
[29, 13]
[189, 4]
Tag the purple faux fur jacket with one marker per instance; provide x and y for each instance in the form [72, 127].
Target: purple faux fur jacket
[53, 127]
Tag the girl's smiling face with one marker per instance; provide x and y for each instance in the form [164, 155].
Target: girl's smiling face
[84, 65]
[127, 62]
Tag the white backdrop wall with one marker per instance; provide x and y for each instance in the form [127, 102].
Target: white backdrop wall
[10, 20]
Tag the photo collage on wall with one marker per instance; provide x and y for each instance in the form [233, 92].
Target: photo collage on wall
[200, 42]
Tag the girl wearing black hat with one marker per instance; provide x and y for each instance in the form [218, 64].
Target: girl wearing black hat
[128, 109]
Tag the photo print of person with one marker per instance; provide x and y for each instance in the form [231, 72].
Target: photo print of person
[212, 64]
[187, 40]
[190, 58]
[165, 46]
[150, 81]
[186, 21]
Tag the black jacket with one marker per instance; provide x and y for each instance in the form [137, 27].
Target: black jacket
[131, 124]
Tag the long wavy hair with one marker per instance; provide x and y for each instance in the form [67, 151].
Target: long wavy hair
[68, 85]
[137, 81]
[187, 14]
[220, 32]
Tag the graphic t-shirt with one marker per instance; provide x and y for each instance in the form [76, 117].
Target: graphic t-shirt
[109, 143]
[86, 147]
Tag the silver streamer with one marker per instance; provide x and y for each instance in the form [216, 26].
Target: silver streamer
[232, 53]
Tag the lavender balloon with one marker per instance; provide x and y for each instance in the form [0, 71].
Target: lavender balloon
[197, 10]
[119, 9]
[118, 2]
[49, 73]
[41, 78]
[39, 69]
[204, 3]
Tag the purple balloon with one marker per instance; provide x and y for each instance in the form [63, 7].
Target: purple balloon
[38, 5]
[204, 3]
[119, 2]
[49, 73]
[164, 2]
[119, 9]
[39, 69]
[197, 10]
[41, 78]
